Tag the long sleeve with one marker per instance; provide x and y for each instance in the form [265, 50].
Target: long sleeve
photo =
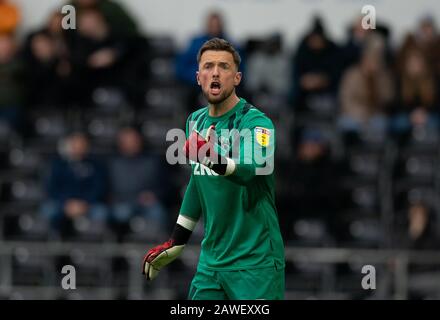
[191, 202]
[257, 149]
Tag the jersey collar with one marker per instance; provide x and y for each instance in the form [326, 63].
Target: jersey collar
[239, 104]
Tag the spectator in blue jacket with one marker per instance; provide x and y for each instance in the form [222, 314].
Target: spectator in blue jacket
[186, 63]
[137, 181]
[76, 184]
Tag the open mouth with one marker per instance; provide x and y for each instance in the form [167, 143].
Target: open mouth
[215, 87]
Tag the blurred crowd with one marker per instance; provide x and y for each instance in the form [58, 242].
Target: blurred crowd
[357, 120]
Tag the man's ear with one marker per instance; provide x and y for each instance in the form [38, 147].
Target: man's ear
[197, 77]
[237, 78]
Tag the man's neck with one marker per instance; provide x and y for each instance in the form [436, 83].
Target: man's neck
[217, 110]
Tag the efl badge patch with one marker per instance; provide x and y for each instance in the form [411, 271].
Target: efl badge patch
[263, 136]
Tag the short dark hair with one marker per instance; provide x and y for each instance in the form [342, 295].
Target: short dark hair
[217, 44]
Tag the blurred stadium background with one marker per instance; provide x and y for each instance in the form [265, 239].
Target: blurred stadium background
[84, 114]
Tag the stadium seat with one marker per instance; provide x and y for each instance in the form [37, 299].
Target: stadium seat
[25, 159]
[91, 268]
[26, 190]
[109, 100]
[83, 229]
[309, 233]
[141, 230]
[31, 269]
[166, 100]
[162, 69]
[25, 226]
[162, 45]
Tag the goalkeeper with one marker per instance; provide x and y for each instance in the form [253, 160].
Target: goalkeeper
[231, 188]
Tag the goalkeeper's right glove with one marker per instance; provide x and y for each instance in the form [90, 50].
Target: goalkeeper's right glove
[159, 257]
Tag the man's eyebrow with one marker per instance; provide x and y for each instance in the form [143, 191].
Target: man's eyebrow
[220, 62]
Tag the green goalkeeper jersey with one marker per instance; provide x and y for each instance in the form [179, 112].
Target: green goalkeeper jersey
[240, 218]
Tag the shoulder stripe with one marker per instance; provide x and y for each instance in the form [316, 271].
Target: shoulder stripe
[231, 121]
[244, 110]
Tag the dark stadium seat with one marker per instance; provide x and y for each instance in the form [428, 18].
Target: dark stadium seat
[360, 229]
[25, 159]
[424, 137]
[109, 100]
[162, 69]
[31, 268]
[83, 229]
[309, 233]
[418, 165]
[366, 163]
[92, 269]
[166, 100]
[142, 230]
[361, 193]
[49, 123]
[26, 190]
[155, 132]
[103, 131]
[25, 226]
[162, 45]
[5, 135]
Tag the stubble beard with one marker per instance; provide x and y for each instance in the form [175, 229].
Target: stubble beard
[219, 99]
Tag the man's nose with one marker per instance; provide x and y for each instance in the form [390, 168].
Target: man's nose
[215, 71]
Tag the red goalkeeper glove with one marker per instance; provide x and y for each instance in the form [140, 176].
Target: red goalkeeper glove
[198, 148]
[201, 149]
[159, 257]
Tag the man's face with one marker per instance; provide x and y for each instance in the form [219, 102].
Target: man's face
[218, 75]
[129, 142]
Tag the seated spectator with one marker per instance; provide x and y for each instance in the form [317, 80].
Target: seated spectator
[121, 23]
[366, 92]
[421, 229]
[186, 62]
[9, 17]
[12, 90]
[75, 185]
[48, 64]
[417, 100]
[428, 40]
[357, 36]
[267, 69]
[316, 68]
[417, 231]
[133, 47]
[313, 188]
[96, 55]
[137, 181]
